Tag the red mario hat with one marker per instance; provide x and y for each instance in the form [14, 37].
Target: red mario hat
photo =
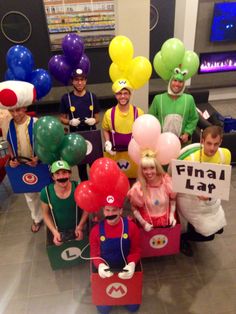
[16, 94]
[115, 200]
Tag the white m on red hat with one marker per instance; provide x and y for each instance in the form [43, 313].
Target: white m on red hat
[16, 94]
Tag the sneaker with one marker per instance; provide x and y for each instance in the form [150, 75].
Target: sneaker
[185, 248]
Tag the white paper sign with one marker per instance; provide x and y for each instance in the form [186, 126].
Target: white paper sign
[203, 179]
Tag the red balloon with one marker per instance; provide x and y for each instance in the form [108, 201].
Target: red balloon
[122, 187]
[104, 174]
[87, 198]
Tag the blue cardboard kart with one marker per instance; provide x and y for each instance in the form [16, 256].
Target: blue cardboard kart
[27, 179]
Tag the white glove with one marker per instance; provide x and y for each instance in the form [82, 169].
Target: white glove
[108, 148]
[172, 220]
[128, 271]
[74, 122]
[90, 121]
[147, 227]
[103, 271]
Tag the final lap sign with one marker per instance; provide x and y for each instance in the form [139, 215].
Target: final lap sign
[203, 179]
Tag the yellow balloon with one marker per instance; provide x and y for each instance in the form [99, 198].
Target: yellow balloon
[139, 72]
[121, 51]
[115, 72]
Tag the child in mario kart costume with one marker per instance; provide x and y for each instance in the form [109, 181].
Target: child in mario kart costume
[115, 244]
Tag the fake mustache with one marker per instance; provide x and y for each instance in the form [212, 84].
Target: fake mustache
[111, 217]
[63, 180]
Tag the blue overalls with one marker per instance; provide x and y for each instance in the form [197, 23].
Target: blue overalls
[111, 247]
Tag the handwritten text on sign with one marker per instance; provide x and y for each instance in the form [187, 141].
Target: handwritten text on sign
[203, 179]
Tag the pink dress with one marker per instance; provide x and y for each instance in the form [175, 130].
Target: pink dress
[156, 208]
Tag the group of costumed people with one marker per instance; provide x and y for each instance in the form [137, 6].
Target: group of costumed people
[115, 240]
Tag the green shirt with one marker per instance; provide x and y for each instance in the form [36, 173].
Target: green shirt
[184, 105]
[64, 209]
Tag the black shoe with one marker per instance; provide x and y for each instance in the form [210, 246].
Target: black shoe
[220, 231]
[186, 248]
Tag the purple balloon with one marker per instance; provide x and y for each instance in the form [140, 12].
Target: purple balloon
[60, 68]
[84, 64]
[73, 48]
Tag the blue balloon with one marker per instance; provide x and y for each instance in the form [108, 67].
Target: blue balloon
[20, 61]
[41, 81]
[9, 76]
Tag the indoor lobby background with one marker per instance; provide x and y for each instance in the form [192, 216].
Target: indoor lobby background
[202, 284]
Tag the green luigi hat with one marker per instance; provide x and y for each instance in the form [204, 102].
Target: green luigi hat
[60, 165]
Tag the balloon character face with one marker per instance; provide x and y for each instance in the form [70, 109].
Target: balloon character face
[16, 94]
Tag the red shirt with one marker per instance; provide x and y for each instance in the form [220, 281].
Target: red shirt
[115, 232]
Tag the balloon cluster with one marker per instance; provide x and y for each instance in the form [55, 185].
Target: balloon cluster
[166, 145]
[20, 64]
[107, 184]
[52, 144]
[62, 66]
[136, 70]
[173, 55]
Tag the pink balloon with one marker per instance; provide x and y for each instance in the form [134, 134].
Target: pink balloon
[134, 151]
[146, 130]
[168, 147]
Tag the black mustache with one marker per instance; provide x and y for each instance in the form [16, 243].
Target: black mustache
[62, 180]
[111, 217]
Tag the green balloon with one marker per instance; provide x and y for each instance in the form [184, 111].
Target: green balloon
[190, 63]
[73, 149]
[49, 133]
[44, 155]
[172, 52]
[160, 67]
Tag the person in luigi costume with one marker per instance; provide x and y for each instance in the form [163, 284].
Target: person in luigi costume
[60, 212]
[175, 110]
[80, 110]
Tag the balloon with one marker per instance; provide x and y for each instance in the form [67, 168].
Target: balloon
[9, 76]
[134, 151]
[41, 81]
[121, 51]
[20, 61]
[122, 187]
[60, 68]
[49, 133]
[139, 71]
[73, 48]
[146, 129]
[87, 198]
[73, 149]
[84, 64]
[115, 72]
[190, 62]
[161, 68]
[172, 52]
[104, 173]
[168, 147]
[44, 155]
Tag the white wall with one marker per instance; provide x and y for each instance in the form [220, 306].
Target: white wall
[132, 21]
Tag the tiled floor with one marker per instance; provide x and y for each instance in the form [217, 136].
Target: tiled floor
[202, 284]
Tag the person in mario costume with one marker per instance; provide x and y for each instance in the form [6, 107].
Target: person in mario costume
[115, 245]
[16, 96]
